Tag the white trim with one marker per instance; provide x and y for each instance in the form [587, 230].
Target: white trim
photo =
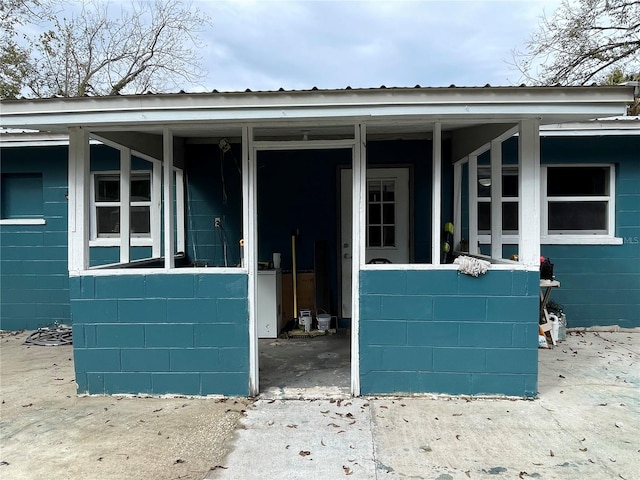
[457, 205]
[304, 144]
[78, 202]
[529, 193]
[473, 205]
[496, 198]
[496, 264]
[23, 221]
[167, 174]
[101, 271]
[250, 238]
[359, 216]
[580, 240]
[155, 210]
[436, 194]
[115, 242]
[125, 205]
[180, 220]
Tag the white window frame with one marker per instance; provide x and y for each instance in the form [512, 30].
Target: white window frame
[511, 236]
[381, 181]
[573, 237]
[137, 240]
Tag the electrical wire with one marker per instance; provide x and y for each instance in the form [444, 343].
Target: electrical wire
[51, 337]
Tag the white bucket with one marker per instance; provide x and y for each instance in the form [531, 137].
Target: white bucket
[324, 320]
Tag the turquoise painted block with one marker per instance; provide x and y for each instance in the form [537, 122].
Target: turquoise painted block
[221, 335]
[512, 360]
[370, 307]
[10, 324]
[82, 383]
[234, 359]
[169, 335]
[485, 334]
[494, 282]
[444, 383]
[19, 310]
[383, 281]
[406, 358]
[432, 282]
[370, 358]
[232, 310]
[531, 385]
[170, 286]
[407, 307]
[119, 336]
[125, 382]
[120, 286]
[525, 283]
[461, 307]
[176, 383]
[95, 384]
[525, 335]
[96, 360]
[191, 310]
[499, 384]
[79, 339]
[222, 286]
[194, 360]
[148, 310]
[513, 309]
[372, 383]
[94, 311]
[221, 383]
[439, 334]
[87, 288]
[145, 360]
[383, 333]
[459, 359]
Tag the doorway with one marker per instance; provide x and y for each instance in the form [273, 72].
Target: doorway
[388, 224]
[297, 211]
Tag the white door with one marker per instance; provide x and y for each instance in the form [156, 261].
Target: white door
[387, 235]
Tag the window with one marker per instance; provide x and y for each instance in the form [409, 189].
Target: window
[22, 198]
[106, 205]
[381, 213]
[509, 200]
[578, 200]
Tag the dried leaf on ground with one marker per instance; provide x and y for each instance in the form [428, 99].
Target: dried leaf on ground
[347, 470]
[304, 453]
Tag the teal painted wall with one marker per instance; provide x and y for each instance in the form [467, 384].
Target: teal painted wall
[34, 286]
[161, 334]
[600, 284]
[444, 332]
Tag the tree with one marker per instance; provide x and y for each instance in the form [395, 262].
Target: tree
[92, 50]
[584, 42]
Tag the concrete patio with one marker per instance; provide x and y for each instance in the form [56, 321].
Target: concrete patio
[584, 424]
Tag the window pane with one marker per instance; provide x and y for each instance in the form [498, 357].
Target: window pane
[578, 216]
[141, 189]
[389, 236]
[375, 239]
[509, 216]
[388, 191]
[509, 185]
[374, 214]
[388, 213]
[374, 191]
[107, 188]
[577, 181]
[140, 220]
[484, 216]
[108, 220]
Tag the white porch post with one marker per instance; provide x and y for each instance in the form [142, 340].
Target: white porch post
[436, 196]
[250, 236]
[358, 242]
[167, 168]
[180, 221]
[496, 199]
[529, 205]
[78, 199]
[156, 208]
[473, 205]
[125, 205]
[457, 204]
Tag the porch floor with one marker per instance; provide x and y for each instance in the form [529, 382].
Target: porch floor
[310, 367]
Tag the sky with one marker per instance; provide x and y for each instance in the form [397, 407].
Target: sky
[269, 44]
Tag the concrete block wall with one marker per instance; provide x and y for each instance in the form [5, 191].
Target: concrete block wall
[440, 331]
[161, 334]
[34, 285]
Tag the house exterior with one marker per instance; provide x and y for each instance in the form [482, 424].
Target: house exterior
[164, 299]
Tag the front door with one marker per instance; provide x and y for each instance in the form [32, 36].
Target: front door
[387, 235]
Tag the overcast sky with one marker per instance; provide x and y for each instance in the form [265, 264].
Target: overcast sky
[268, 44]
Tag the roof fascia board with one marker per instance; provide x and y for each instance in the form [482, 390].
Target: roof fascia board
[574, 102]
